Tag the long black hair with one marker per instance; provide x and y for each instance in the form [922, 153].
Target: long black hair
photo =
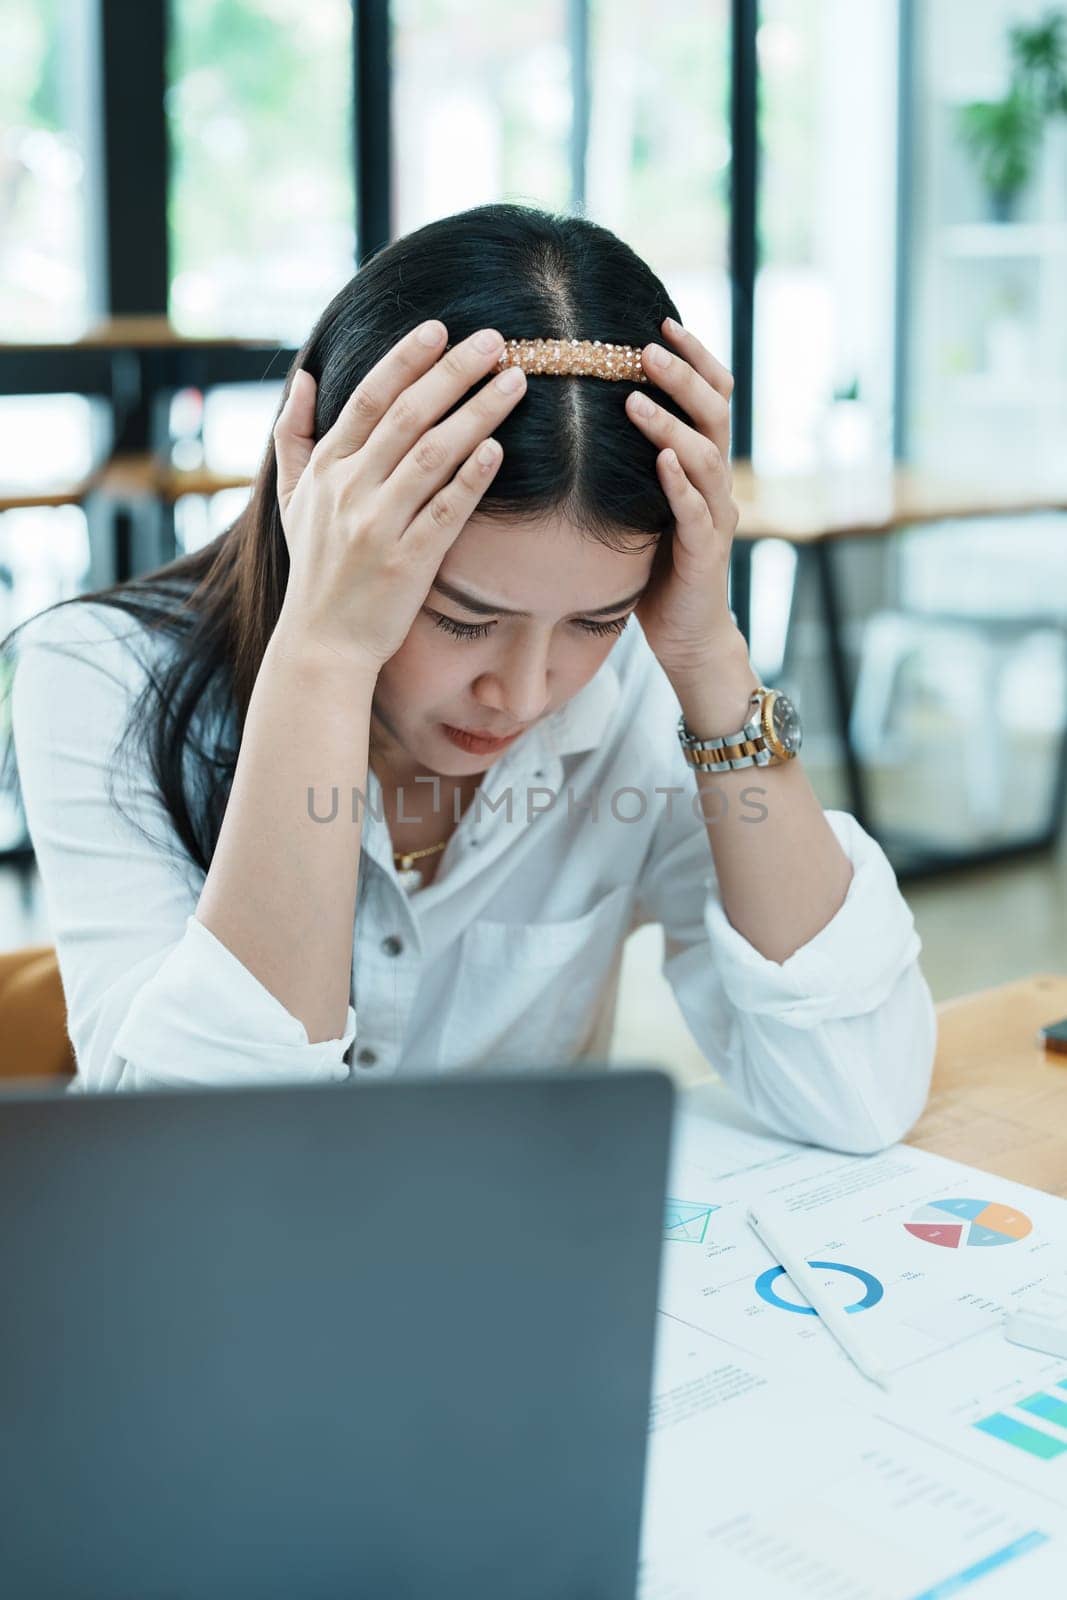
[569, 450]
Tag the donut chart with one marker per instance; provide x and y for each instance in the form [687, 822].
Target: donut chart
[952, 1224]
[873, 1290]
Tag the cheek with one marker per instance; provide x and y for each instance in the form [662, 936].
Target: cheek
[427, 669]
[578, 661]
[597, 648]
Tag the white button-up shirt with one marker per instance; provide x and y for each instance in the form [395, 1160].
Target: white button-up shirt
[584, 829]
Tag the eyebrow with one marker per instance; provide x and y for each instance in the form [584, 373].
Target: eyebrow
[472, 603]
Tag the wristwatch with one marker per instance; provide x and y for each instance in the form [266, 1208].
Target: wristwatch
[772, 735]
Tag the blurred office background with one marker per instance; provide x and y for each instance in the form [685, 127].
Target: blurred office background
[860, 205]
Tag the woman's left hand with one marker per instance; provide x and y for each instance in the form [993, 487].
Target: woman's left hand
[686, 615]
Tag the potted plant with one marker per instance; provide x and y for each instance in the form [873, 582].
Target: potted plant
[1039, 52]
[1003, 136]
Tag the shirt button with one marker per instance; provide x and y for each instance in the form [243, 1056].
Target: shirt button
[392, 945]
[366, 1057]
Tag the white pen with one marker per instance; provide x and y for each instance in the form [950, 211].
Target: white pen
[772, 1229]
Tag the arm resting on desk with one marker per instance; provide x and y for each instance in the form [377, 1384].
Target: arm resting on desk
[835, 1045]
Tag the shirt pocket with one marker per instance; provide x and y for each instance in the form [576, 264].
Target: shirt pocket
[528, 993]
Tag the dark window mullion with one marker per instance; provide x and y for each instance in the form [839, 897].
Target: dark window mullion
[131, 181]
[744, 188]
[372, 131]
[744, 201]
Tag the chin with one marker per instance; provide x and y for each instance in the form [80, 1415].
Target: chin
[463, 760]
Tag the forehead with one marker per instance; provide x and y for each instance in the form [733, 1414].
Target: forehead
[548, 567]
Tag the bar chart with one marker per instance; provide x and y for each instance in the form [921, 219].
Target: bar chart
[1042, 1429]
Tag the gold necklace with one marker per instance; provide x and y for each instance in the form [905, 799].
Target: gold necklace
[402, 859]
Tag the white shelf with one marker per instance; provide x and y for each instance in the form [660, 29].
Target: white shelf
[1006, 313]
[980, 389]
[1003, 240]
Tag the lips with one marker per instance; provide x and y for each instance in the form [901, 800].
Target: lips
[477, 743]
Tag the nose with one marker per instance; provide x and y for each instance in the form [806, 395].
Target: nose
[518, 687]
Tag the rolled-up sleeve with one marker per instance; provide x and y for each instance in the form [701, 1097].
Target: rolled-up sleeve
[833, 1046]
[153, 998]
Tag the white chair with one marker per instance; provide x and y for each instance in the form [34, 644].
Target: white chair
[972, 596]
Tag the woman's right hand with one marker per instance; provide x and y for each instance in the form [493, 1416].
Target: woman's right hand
[370, 511]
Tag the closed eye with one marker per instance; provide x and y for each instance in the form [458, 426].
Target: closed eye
[478, 630]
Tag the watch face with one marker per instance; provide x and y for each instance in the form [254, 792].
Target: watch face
[785, 722]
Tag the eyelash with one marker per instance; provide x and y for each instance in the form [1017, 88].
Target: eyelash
[478, 630]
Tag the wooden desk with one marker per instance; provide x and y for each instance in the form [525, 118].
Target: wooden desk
[808, 508]
[998, 1100]
[135, 332]
[135, 363]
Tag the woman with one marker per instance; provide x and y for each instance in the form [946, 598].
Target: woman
[274, 838]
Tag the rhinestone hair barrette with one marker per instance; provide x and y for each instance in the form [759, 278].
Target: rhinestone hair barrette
[587, 358]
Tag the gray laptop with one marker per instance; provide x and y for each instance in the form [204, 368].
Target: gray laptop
[317, 1342]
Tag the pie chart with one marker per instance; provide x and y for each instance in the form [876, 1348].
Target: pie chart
[954, 1223]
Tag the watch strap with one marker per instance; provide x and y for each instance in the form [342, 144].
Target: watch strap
[727, 752]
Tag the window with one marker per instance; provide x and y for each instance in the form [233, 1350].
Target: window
[44, 292]
[824, 352]
[658, 167]
[261, 199]
[482, 107]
